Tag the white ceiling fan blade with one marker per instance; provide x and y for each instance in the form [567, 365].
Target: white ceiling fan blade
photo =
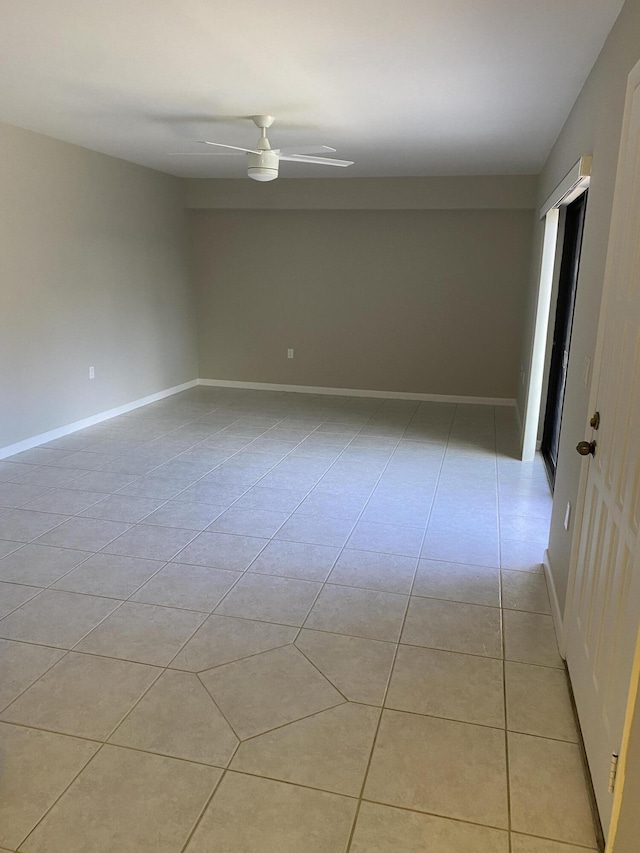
[308, 149]
[320, 161]
[234, 147]
[205, 154]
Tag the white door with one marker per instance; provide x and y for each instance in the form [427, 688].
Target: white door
[604, 606]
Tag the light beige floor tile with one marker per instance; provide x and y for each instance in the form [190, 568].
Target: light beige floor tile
[151, 542]
[269, 598]
[468, 550]
[383, 829]
[20, 665]
[101, 481]
[245, 521]
[84, 534]
[444, 684]
[384, 572]
[387, 538]
[458, 582]
[316, 530]
[82, 695]
[177, 717]
[248, 814]
[296, 560]
[39, 565]
[7, 547]
[56, 618]
[152, 485]
[43, 475]
[417, 763]
[36, 768]
[190, 587]
[143, 633]
[359, 612]
[528, 844]
[279, 500]
[102, 808]
[223, 639]
[548, 790]
[23, 525]
[329, 750]
[12, 595]
[453, 626]
[14, 495]
[347, 507]
[268, 690]
[538, 702]
[221, 551]
[358, 668]
[188, 516]
[520, 555]
[64, 501]
[530, 638]
[109, 575]
[122, 508]
[524, 527]
[525, 591]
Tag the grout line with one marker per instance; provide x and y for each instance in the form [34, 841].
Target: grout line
[62, 793]
[504, 656]
[292, 415]
[393, 662]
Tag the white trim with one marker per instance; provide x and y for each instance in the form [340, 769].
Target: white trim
[359, 392]
[574, 183]
[45, 437]
[539, 343]
[518, 417]
[555, 604]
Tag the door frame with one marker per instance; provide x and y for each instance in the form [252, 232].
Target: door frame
[574, 183]
[564, 312]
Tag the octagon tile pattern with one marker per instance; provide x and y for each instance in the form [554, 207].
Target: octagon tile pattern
[245, 620]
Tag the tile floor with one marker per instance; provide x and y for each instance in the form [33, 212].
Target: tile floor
[251, 621]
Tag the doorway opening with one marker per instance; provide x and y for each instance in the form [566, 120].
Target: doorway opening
[571, 188]
[565, 305]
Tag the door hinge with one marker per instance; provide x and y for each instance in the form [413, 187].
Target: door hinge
[613, 771]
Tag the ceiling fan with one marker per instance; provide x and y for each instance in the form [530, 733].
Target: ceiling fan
[263, 160]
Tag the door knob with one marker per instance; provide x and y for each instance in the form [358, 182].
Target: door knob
[585, 448]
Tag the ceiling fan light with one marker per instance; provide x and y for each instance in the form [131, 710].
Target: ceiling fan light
[260, 173]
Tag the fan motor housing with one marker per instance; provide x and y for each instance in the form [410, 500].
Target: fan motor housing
[263, 167]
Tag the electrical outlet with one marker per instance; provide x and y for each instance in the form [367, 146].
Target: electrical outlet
[92, 372]
[289, 353]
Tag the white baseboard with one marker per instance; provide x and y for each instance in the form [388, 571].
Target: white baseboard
[359, 392]
[45, 437]
[555, 604]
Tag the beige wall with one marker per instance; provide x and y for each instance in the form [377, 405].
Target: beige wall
[92, 271]
[425, 301]
[479, 192]
[593, 127]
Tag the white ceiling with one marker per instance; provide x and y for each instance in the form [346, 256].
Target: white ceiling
[412, 87]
